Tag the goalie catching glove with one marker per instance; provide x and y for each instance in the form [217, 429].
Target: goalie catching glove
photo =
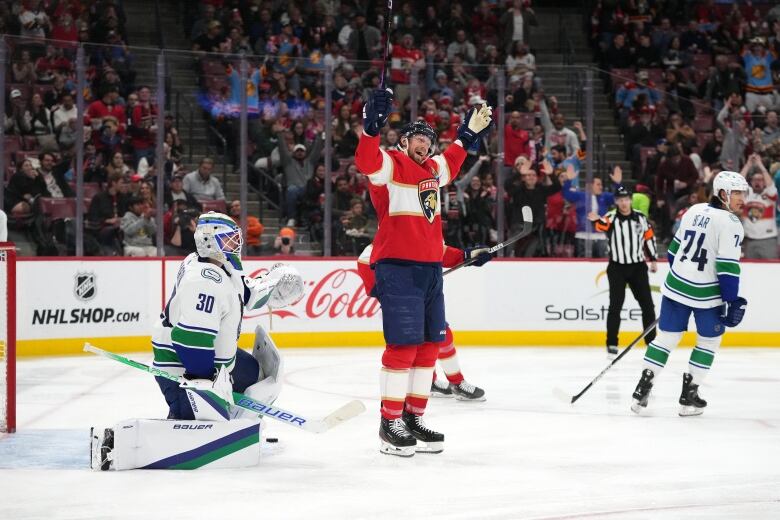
[475, 126]
[280, 287]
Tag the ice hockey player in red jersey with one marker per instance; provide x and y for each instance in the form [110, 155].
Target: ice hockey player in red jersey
[407, 261]
[455, 385]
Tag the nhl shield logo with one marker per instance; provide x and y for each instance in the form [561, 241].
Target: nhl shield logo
[85, 286]
[428, 193]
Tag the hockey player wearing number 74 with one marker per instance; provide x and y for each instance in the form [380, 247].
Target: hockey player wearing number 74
[703, 280]
[196, 337]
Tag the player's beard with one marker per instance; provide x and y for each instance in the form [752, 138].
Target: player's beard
[418, 155]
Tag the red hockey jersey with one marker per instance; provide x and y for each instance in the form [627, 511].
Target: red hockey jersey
[406, 198]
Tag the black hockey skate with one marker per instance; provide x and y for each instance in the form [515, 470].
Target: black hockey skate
[440, 388]
[612, 352]
[396, 439]
[467, 392]
[101, 445]
[642, 392]
[690, 402]
[433, 442]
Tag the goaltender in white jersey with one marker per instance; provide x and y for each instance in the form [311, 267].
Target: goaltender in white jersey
[196, 337]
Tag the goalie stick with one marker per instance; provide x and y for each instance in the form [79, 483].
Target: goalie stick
[528, 225]
[346, 412]
[560, 394]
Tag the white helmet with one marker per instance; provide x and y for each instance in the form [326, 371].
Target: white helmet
[219, 237]
[728, 182]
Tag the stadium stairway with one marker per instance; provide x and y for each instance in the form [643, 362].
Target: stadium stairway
[183, 104]
[555, 77]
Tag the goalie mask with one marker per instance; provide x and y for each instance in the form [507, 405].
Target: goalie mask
[219, 238]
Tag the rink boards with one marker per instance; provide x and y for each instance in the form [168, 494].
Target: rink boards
[112, 302]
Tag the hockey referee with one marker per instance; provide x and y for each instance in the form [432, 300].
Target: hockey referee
[630, 237]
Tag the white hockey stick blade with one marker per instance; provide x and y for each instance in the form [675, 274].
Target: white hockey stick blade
[345, 413]
[561, 395]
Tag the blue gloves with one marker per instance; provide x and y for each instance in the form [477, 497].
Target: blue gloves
[733, 312]
[481, 253]
[377, 110]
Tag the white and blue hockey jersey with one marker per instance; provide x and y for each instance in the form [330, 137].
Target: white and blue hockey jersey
[704, 258]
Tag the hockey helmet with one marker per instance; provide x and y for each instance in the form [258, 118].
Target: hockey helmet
[729, 182]
[218, 237]
[419, 128]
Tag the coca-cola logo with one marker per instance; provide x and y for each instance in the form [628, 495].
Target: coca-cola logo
[339, 293]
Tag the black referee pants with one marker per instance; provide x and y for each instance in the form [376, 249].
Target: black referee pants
[635, 276]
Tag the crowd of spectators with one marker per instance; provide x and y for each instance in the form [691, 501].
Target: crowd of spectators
[694, 87]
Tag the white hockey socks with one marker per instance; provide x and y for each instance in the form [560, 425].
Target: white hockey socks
[657, 353]
[702, 356]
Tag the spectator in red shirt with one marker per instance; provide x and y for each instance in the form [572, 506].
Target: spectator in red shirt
[65, 31]
[404, 61]
[144, 129]
[53, 61]
[104, 107]
[516, 141]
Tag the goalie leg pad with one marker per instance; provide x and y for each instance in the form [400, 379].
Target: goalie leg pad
[166, 444]
[264, 382]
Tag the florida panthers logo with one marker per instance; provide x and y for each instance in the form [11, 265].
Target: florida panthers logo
[428, 193]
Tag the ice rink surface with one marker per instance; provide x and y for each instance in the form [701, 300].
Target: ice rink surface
[520, 454]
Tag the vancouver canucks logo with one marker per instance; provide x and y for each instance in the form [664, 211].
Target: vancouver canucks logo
[85, 288]
[428, 193]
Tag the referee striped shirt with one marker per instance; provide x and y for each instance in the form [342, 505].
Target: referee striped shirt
[629, 236]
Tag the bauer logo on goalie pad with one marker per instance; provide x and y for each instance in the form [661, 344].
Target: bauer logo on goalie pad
[428, 192]
[86, 287]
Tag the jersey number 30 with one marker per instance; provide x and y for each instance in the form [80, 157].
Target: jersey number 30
[700, 254]
[205, 303]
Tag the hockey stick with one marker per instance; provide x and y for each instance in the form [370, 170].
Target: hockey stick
[388, 24]
[346, 412]
[528, 225]
[571, 400]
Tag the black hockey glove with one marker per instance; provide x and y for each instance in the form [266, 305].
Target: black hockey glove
[377, 110]
[732, 312]
[481, 253]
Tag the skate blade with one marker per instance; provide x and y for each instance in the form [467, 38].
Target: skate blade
[429, 447]
[398, 451]
[437, 395]
[475, 399]
[690, 411]
[638, 408]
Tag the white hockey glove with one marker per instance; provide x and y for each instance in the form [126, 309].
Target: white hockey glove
[288, 285]
[221, 386]
[475, 127]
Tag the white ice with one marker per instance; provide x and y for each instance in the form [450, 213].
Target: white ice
[520, 454]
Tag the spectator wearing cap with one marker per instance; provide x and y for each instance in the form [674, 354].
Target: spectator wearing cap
[631, 240]
[138, 228]
[212, 39]
[284, 243]
[588, 240]
[556, 130]
[760, 210]
[175, 192]
[298, 168]
[405, 60]
[201, 184]
[515, 24]
[254, 228]
[462, 47]
[365, 41]
[758, 69]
